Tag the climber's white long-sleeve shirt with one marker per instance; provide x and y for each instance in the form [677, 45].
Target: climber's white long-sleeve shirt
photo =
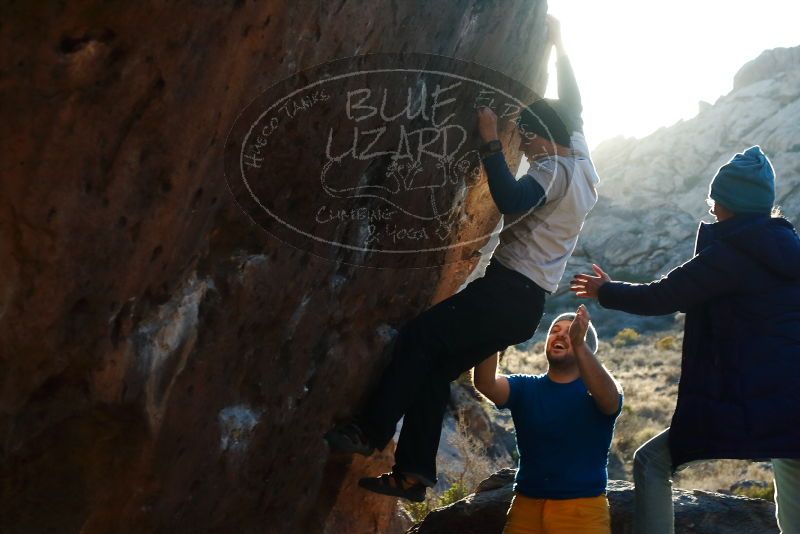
[545, 209]
[539, 242]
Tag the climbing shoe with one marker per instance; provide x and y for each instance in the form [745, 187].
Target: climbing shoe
[395, 484]
[349, 439]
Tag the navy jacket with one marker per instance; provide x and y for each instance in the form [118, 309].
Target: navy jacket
[739, 393]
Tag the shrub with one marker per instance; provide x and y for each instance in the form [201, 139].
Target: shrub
[625, 337]
[667, 343]
[477, 466]
[417, 511]
[757, 492]
[454, 493]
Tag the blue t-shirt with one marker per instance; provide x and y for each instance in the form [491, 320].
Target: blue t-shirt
[562, 438]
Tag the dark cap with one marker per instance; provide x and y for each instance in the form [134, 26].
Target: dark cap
[542, 118]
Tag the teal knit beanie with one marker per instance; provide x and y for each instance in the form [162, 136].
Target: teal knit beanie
[746, 184]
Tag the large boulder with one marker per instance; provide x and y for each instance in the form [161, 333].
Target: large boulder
[166, 364]
[696, 512]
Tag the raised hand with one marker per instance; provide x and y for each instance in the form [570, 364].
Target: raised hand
[579, 326]
[553, 30]
[487, 124]
[586, 285]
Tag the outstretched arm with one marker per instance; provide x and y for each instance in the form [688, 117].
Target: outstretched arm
[569, 96]
[486, 380]
[605, 391]
[709, 274]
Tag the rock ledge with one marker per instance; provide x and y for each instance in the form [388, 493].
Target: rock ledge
[696, 512]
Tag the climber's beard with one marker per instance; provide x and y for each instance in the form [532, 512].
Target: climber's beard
[533, 152]
[560, 360]
[533, 156]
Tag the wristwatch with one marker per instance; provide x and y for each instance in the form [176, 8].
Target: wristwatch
[489, 148]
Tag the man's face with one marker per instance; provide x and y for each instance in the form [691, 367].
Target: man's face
[719, 211]
[558, 348]
[531, 144]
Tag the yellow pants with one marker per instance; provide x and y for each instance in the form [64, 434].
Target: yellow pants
[558, 516]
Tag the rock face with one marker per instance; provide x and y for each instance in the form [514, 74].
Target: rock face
[653, 190]
[166, 365]
[696, 512]
[767, 65]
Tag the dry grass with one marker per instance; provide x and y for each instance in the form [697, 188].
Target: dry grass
[649, 371]
[476, 466]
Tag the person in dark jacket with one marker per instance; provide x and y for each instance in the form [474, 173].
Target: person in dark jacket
[739, 393]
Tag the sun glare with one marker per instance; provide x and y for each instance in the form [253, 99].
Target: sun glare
[644, 65]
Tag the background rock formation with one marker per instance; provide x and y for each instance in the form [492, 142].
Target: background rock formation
[653, 190]
[696, 512]
[166, 365]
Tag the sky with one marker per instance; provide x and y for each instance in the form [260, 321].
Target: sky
[642, 65]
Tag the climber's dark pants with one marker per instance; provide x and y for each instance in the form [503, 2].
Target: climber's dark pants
[500, 309]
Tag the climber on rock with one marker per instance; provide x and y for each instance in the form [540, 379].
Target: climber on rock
[501, 308]
[738, 393]
[564, 422]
